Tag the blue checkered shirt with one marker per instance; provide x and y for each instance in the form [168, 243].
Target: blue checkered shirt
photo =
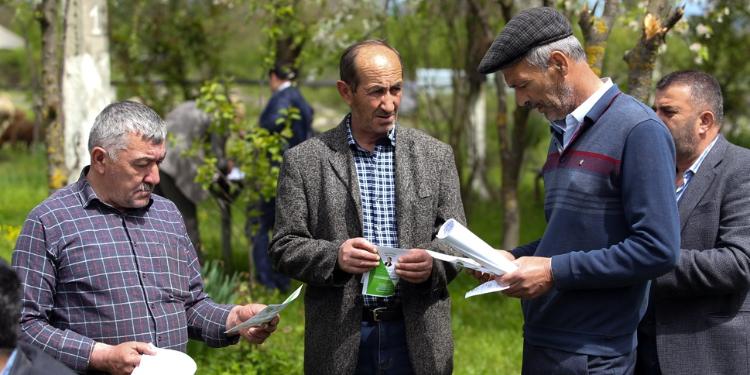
[377, 189]
[91, 273]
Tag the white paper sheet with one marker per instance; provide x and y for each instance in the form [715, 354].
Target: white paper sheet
[488, 287]
[463, 240]
[267, 314]
[165, 361]
[459, 261]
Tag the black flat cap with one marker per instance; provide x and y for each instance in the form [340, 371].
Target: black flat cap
[528, 29]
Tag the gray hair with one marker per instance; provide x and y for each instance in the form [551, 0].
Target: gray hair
[119, 119]
[570, 46]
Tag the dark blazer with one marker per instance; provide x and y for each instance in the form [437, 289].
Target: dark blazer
[31, 360]
[702, 308]
[282, 99]
[318, 208]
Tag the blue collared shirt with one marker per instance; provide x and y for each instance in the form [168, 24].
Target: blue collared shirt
[564, 130]
[9, 363]
[690, 172]
[377, 189]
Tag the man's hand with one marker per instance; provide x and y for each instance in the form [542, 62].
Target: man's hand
[485, 277]
[532, 278]
[415, 266]
[255, 335]
[119, 359]
[357, 256]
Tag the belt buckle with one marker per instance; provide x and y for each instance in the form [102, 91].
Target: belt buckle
[376, 313]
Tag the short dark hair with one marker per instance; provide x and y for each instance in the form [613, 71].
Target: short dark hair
[703, 87]
[10, 306]
[284, 71]
[347, 67]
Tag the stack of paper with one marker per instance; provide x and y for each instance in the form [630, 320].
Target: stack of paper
[463, 240]
[488, 259]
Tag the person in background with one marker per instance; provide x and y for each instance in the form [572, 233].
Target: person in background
[19, 358]
[107, 267]
[285, 96]
[612, 222]
[698, 321]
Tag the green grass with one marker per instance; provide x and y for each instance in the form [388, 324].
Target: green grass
[487, 328]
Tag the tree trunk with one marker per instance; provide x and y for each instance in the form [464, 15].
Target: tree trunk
[513, 140]
[52, 117]
[478, 41]
[596, 31]
[659, 19]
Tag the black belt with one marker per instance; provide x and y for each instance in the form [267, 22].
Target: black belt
[382, 314]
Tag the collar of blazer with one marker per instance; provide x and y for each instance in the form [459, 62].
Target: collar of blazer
[702, 180]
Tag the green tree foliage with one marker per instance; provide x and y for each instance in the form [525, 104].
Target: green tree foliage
[160, 47]
[256, 151]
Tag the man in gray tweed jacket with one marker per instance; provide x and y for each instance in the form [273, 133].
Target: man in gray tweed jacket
[363, 184]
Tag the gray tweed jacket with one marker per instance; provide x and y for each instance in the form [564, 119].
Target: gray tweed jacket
[318, 208]
[702, 307]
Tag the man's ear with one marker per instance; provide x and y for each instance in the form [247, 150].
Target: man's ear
[99, 159]
[558, 63]
[345, 91]
[707, 120]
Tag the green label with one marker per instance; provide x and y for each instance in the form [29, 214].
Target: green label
[379, 283]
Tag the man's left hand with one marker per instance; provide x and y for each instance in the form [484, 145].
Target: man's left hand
[532, 279]
[415, 266]
[255, 335]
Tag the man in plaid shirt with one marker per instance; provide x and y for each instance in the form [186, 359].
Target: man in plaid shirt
[107, 267]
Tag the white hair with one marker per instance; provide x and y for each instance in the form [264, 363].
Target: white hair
[570, 46]
[119, 119]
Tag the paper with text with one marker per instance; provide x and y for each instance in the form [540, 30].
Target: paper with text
[267, 314]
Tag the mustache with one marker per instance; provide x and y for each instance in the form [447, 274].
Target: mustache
[383, 113]
[145, 186]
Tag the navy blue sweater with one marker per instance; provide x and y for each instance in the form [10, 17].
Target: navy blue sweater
[612, 225]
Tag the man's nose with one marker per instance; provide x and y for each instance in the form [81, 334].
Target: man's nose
[153, 175]
[521, 99]
[389, 102]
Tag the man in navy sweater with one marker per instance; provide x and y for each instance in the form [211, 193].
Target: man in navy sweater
[612, 221]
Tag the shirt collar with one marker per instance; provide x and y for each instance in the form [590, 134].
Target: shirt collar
[568, 126]
[283, 85]
[697, 164]
[9, 363]
[352, 142]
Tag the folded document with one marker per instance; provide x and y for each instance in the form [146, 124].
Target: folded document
[482, 256]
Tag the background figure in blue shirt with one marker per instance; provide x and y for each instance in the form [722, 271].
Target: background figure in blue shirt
[611, 215]
[285, 96]
[18, 358]
[698, 321]
[107, 267]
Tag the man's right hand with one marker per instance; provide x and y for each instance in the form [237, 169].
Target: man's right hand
[357, 256]
[118, 359]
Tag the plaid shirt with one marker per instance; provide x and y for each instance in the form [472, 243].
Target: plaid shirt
[91, 273]
[377, 188]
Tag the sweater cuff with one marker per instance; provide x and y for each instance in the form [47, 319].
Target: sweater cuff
[562, 272]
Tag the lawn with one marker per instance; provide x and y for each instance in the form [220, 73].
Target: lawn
[487, 329]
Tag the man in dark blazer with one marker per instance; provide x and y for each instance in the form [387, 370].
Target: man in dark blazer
[363, 184]
[19, 358]
[273, 118]
[698, 321]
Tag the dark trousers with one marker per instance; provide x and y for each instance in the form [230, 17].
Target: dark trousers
[383, 350]
[264, 272]
[538, 360]
[647, 362]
